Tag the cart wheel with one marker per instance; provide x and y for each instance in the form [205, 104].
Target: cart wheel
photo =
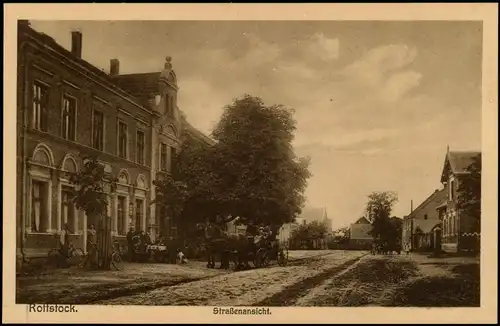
[116, 261]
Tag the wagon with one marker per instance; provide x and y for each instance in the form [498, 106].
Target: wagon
[159, 252]
[271, 251]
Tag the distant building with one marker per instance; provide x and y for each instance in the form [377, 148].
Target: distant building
[419, 224]
[459, 231]
[359, 234]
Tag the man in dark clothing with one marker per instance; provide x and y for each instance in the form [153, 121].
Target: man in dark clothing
[130, 243]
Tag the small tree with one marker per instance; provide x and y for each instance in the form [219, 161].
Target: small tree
[306, 233]
[92, 189]
[378, 209]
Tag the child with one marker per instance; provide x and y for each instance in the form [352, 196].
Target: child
[181, 258]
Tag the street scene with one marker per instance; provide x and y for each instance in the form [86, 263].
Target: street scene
[262, 164]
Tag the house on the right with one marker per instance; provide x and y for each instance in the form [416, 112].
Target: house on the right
[459, 229]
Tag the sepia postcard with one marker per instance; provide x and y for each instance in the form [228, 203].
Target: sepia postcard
[250, 163]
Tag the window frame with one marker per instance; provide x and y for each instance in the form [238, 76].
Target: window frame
[125, 155]
[37, 112]
[143, 154]
[73, 99]
[103, 140]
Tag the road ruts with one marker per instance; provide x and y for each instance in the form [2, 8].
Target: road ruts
[246, 288]
[292, 293]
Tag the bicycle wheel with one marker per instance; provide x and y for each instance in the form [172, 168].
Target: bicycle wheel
[77, 256]
[116, 261]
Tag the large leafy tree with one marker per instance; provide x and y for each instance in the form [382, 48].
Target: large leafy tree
[469, 191]
[260, 179]
[378, 209]
[189, 195]
[249, 172]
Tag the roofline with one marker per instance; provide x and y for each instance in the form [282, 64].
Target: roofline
[35, 36]
[447, 159]
[426, 201]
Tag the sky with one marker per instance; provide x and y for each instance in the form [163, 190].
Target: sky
[376, 103]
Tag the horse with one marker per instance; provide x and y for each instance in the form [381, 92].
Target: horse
[227, 248]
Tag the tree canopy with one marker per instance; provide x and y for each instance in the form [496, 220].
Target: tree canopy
[250, 172]
[469, 191]
[93, 186]
[385, 230]
[308, 232]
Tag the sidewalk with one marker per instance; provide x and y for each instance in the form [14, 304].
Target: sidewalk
[79, 286]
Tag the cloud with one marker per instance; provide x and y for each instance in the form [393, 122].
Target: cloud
[398, 84]
[327, 49]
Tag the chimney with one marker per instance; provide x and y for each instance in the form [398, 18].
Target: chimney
[114, 67]
[76, 43]
[411, 206]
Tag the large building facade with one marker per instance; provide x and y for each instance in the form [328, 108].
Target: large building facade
[418, 225]
[459, 230]
[68, 109]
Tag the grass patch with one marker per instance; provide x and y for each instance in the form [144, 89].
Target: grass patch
[460, 289]
[366, 283]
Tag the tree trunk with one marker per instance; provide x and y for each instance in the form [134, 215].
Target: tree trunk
[104, 242]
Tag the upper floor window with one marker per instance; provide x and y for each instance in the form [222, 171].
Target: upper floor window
[163, 157]
[122, 139]
[452, 190]
[40, 106]
[98, 130]
[69, 118]
[140, 144]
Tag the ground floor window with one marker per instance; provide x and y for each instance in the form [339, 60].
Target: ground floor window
[68, 211]
[121, 216]
[39, 202]
[139, 208]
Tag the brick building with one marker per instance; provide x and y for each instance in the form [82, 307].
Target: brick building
[459, 231]
[418, 225]
[67, 109]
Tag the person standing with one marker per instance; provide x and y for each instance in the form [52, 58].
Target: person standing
[92, 246]
[64, 244]
[130, 243]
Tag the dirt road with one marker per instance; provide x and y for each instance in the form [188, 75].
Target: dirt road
[274, 286]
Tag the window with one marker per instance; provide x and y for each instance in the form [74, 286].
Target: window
[452, 190]
[121, 217]
[163, 157]
[40, 106]
[98, 130]
[39, 218]
[140, 144]
[168, 105]
[173, 156]
[122, 139]
[138, 213]
[69, 118]
[68, 208]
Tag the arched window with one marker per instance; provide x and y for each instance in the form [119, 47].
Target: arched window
[123, 177]
[43, 155]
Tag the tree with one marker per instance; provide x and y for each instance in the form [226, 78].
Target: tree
[260, 179]
[190, 194]
[306, 233]
[92, 189]
[250, 172]
[469, 191]
[378, 209]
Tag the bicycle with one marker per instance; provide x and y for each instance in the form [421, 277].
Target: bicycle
[56, 257]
